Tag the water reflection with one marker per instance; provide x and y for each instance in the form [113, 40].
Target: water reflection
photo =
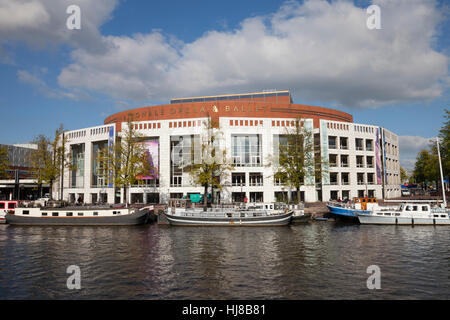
[314, 261]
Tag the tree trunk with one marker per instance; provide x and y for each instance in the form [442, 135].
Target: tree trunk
[298, 196]
[51, 190]
[205, 198]
[125, 195]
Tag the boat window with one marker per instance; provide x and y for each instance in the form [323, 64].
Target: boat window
[80, 214]
[387, 214]
[436, 216]
[55, 214]
[69, 214]
[43, 213]
[397, 214]
[95, 213]
[443, 216]
[424, 208]
[401, 207]
[229, 214]
[11, 205]
[415, 208]
[242, 215]
[408, 208]
[2, 205]
[26, 212]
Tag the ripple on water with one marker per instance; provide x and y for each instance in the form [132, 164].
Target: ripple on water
[314, 261]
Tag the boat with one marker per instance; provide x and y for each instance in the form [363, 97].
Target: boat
[350, 210]
[181, 213]
[7, 206]
[299, 215]
[79, 215]
[406, 214]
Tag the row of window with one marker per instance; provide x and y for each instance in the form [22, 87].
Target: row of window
[77, 134]
[344, 161]
[344, 143]
[146, 126]
[337, 126]
[232, 97]
[68, 214]
[184, 124]
[101, 130]
[361, 178]
[241, 123]
[364, 129]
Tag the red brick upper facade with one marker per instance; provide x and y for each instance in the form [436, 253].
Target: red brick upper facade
[262, 105]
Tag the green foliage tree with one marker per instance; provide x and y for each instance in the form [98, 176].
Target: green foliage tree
[4, 161]
[213, 164]
[49, 159]
[126, 160]
[444, 137]
[426, 168]
[295, 161]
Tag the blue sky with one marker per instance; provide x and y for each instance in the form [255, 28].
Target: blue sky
[136, 53]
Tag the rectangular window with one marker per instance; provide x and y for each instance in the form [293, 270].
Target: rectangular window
[246, 150]
[80, 214]
[43, 213]
[69, 214]
[11, 205]
[55, 214]
[95, 213]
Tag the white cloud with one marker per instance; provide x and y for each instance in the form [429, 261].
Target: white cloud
[410, 146]
[41, 23]
[41, 86]
[321, 51]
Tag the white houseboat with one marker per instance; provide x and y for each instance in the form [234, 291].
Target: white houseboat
[180, 213]
[406, 214]
[79, 215]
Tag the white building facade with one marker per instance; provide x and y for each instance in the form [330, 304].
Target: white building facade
[360, 160]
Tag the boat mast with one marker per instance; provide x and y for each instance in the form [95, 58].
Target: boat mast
[442, 175]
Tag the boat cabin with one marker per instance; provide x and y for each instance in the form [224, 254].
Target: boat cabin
[365, 203]
[8, 206]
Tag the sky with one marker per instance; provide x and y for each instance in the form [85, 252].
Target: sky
[133, 53]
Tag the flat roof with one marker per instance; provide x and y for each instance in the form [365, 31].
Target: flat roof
[233, 95]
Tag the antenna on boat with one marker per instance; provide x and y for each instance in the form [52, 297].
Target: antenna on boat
[442, 175]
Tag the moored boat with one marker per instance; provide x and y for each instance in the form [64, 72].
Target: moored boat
[350, 210]
[79, 215]
[7, 206]
[406, 214]
[180, 214]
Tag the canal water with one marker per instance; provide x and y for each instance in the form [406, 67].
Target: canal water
[320, 260]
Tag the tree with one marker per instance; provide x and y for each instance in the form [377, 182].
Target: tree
[126, 160]
[295, 161]
[49, 159]
[212, 165]
[444, 137]
[426, 168]
[4, 161]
